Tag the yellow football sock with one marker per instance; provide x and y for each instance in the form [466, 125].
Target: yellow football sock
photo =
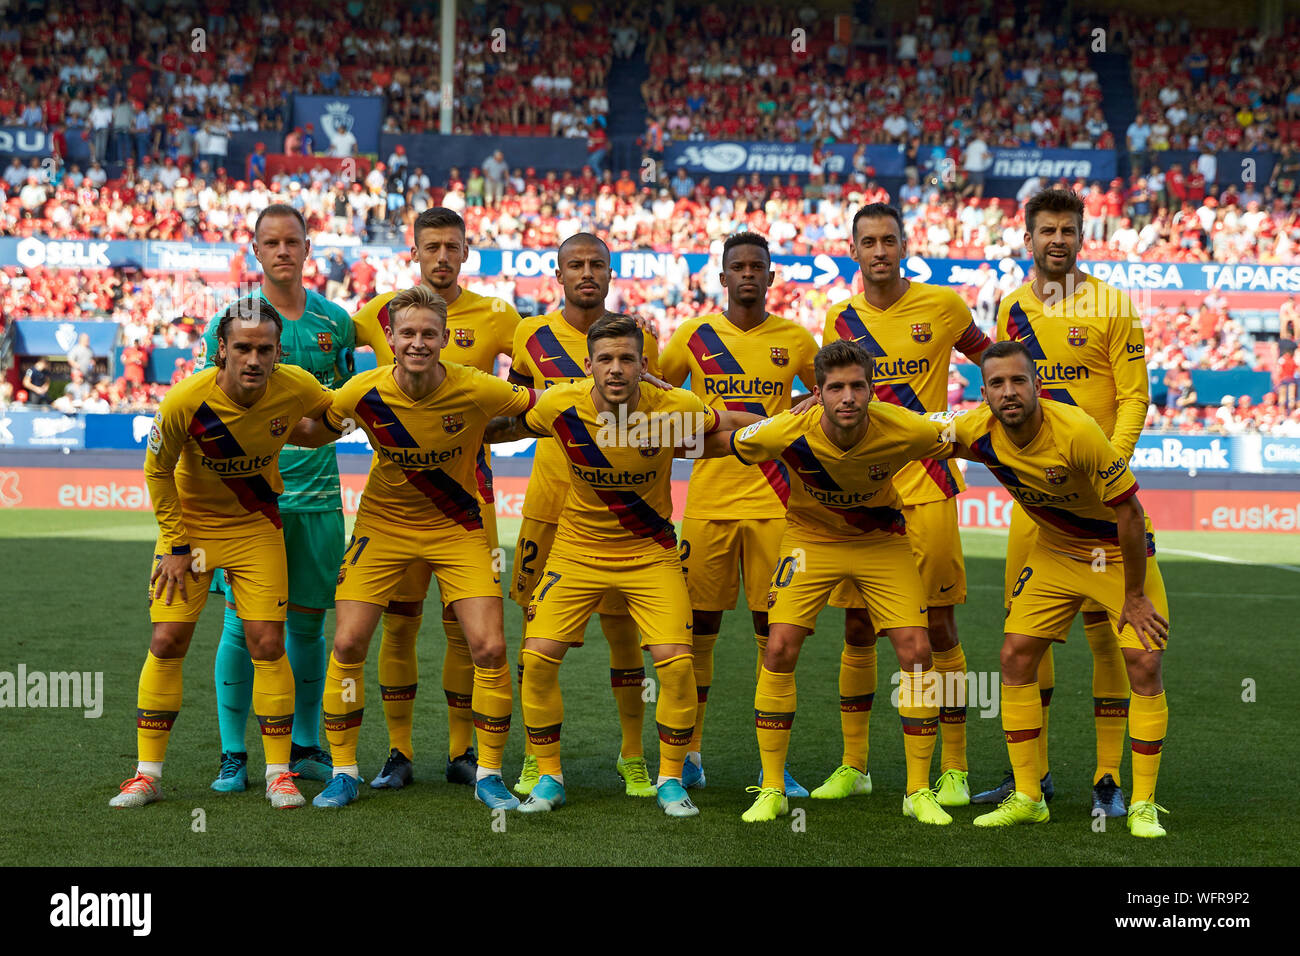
[626, 677]
[674, 713]
[158, 701]
[543, 709]
[702, 652]
[1046, 683]
[1149, 721]
[761, 641]
[273, 705]
[344, 705]
[950, 665]
[1021, 725]
[774, 706]
[458, 684]
[491, 714]
[920, 724]
[399, 677]
[857, 691]
[1110, 691]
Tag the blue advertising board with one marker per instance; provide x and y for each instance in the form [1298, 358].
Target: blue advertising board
[1052, 164]
[35, 429]
[779, 159]
[38, 337]
[332, 116]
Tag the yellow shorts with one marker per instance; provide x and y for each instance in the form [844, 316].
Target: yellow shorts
[879, 567]
[255, 566]
[1022, 536]
[715, 553]
[415, 583]
[572, 587]
[936, 548]
[1051, 587]
[380, 558]
[532, 551]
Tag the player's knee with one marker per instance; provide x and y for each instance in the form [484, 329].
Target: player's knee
[349, 648]
[1018, 664]
[170, 641]
[706, 622]
[1143, 671]
[912, 645]
[858, 629]
[489, 653]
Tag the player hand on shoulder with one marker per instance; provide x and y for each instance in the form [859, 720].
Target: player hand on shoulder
[656, 382]
[503, 429]
[807, 402]
[1152, 629]
[169, 575]
[316, 432]
[646, 325]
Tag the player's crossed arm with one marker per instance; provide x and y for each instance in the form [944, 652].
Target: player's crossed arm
[321, 430]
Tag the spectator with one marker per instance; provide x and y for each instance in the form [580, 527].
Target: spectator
[101, 122]
[494, 174]
[36, 380]
[82, 357]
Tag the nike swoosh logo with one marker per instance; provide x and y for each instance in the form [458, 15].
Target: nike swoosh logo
[705, 358]
[316, 681]
[234, 683]
[948, 588]
[809, 471]
[550, 358]
[151, 714]
[858, 339]
[383, 424]
[578, 444]
[281, 603]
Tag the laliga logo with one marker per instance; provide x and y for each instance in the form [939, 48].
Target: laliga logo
[718, 158]
[337, 120]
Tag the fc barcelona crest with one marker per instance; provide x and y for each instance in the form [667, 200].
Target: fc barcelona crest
[325, 340]
[453, 423]
[279, 426]
[648, 451]
[878, 472]
[464, 338]
[1077, 336]
[1055, 476]
[921, 332]
[771, 600]
[780, 357]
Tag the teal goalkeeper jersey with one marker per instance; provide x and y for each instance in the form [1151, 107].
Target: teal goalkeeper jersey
[322, 342]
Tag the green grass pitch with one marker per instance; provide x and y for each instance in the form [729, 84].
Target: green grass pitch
[73, 598]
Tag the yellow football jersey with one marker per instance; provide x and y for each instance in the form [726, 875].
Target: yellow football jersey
[838, 494]
[1068, 479]
[1090, 352]
[479, 328]
[619, 478]
[549, 351]
[424, 470]
[734, 370]
[912, 342]
[212, 465]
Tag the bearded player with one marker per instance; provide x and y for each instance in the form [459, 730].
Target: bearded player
[1086, 340]
[910, 329]
[318, 336]
[742, 359]
[479, 329]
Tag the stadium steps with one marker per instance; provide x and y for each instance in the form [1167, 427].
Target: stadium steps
[627, 109]
[1118, 101]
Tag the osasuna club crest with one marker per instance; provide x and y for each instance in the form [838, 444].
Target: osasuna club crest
[921, 332]
[279, 426]
[878, 472]
[1055, 476]
[780, 357]
[464, 338]
[1077, 336]
[325, 340]
[453, 423]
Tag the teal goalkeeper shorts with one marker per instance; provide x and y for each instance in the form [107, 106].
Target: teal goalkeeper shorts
[314, 544]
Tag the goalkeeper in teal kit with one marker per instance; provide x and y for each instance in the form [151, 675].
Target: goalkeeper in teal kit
[319, 337]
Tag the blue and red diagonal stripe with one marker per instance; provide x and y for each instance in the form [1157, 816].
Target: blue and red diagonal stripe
[447, 496]
[383, 317]
[253, 492]
[549, 357]
[773, 471]
[1021, 331]
[900, 393]
[381, 421]
[577, 442]
[1061, 395]
[635, 514]
[483, 473]
[713, 356]
[849, 325]
[799, 456]
[983, 447]
[941, 473]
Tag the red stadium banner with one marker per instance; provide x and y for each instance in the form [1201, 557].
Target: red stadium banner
[1207, 509]
[353, 168]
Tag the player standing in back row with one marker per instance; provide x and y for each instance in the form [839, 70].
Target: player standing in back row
[1086, 340]
[479, 329]
[910, 329]
[318, 336]
[746, 360]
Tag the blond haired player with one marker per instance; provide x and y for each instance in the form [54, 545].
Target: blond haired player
[1088, 347]
[1092, 543]
[910, 329]
[211, 467]
[549, 350]
[479, 329]
[743, 359]
[419, 515]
